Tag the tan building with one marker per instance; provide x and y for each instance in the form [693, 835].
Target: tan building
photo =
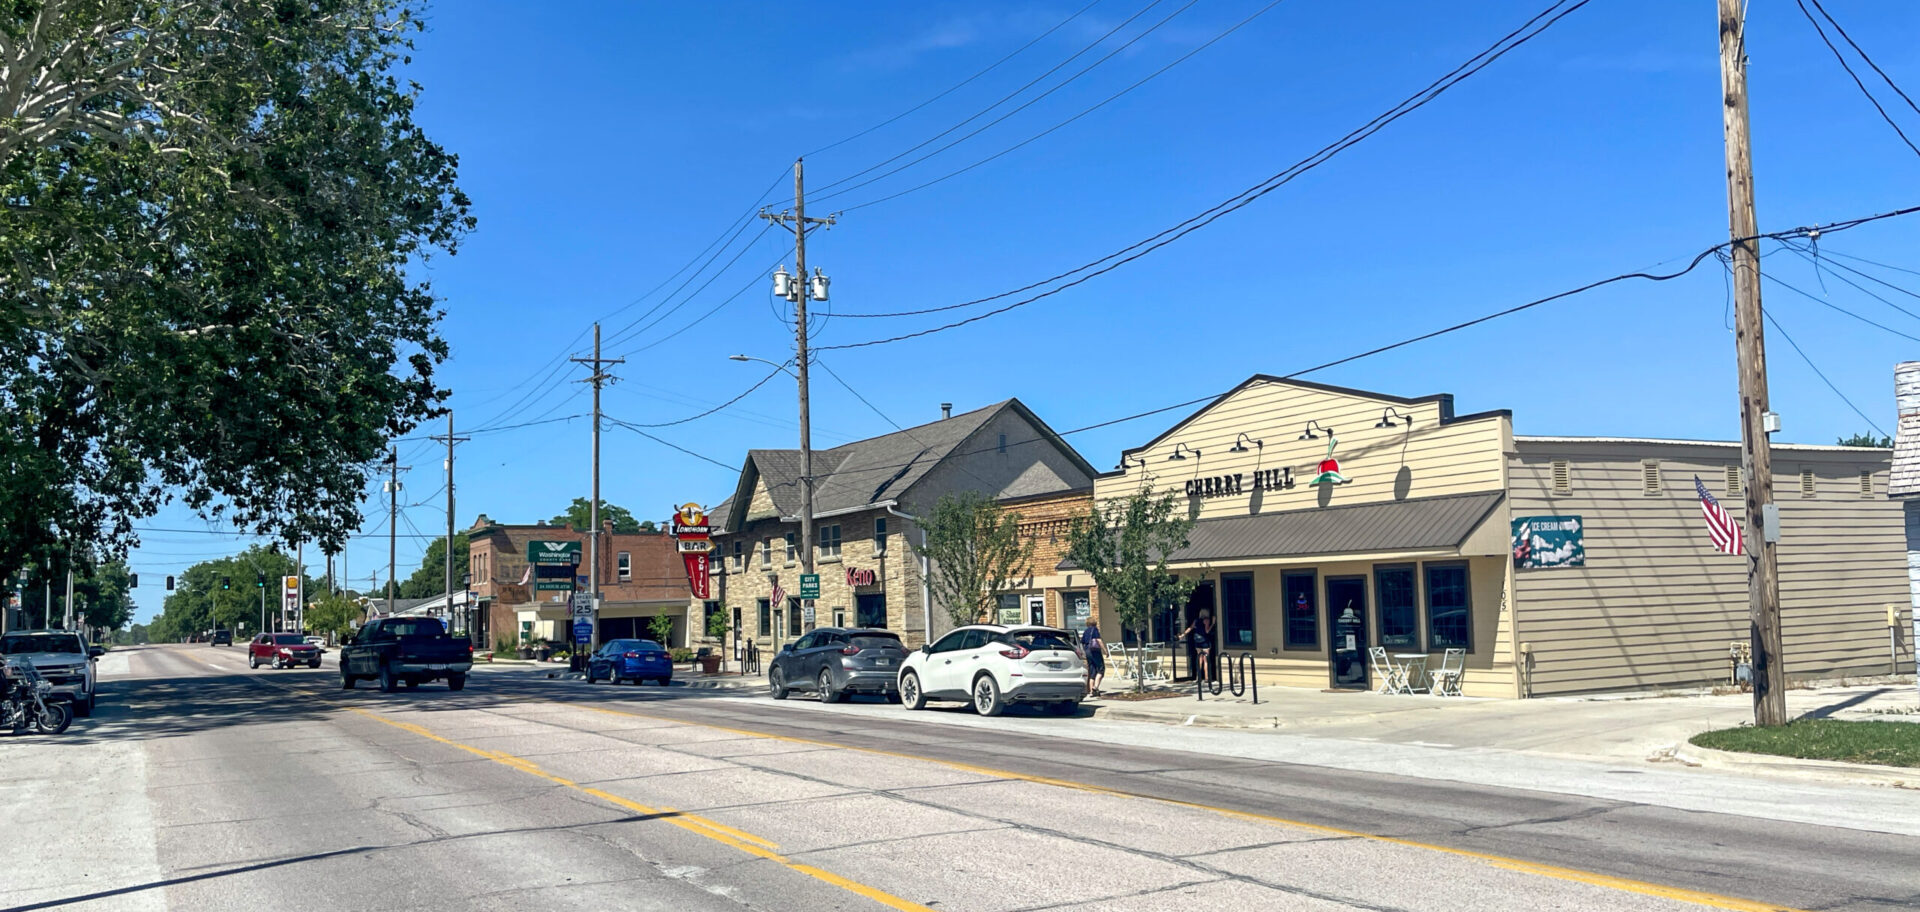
[1411, 545]
[640, 576]
[868, 495]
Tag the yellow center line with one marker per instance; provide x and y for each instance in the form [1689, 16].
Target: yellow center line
[1555, 872]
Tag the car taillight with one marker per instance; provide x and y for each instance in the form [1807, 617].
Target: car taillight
[629, 655]
[850, 651]
[1017, 652]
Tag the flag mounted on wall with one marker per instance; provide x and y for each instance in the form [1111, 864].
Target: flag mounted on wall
[1720, 527]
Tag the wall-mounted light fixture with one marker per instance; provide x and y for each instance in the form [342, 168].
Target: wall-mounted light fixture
[1312, 426]
[1240, 444]
[1180, 451]
[1140, 461]
[1387, 416]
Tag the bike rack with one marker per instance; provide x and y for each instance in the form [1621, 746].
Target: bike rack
[1242, 678]
[750, 660]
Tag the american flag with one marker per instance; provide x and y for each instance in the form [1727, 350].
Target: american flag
[779, 600]
[1721, 527]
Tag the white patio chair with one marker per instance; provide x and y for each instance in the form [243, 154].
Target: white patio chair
[1446, 678]
[1390, 677]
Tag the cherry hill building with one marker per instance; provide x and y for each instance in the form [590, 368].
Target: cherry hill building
[868, 497]
[1330, 521]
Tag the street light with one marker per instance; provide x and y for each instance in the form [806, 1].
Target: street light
[778, 367]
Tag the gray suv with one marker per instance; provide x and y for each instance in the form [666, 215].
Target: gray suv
[836, 661]
[62, 658]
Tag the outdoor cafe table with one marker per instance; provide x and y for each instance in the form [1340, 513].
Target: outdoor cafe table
[1413, 671]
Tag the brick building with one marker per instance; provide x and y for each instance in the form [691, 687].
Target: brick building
[867, 495]
[640, 576]
[1049, 595]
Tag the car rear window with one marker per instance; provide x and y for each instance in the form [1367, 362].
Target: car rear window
[875, 641]
[416, 627]
[1040, 639]
[42, 642]
[637, 646]
[290, 639]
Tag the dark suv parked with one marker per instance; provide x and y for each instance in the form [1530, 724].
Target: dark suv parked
[221, 638]
[836, 661]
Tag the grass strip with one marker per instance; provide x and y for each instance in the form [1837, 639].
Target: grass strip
[1881, 743]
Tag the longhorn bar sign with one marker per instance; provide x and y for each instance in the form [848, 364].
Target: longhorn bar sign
[695, 541]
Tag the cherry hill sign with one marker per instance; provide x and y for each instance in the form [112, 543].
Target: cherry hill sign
[695, 539]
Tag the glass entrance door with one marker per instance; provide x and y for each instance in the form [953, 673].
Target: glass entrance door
[1347, 620]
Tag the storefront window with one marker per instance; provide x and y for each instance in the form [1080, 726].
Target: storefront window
[1303, 618]
[1399, 607]
[766, 617]
[1236, 610]
[1449, 607]
[1009, 610]
[870, 610]
[1076, 607]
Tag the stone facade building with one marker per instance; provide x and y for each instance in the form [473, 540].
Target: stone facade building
[867, 498]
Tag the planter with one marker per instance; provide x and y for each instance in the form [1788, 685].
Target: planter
[709, 664]
[526, 652]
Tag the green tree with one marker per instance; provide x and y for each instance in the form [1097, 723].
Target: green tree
[105, 596]
[661, 625]
[1124, 545]
[204, 275]
[975, 549]
[430, 581]
[198, 602]
[333, 614]
[1866, 440]
[579, 516]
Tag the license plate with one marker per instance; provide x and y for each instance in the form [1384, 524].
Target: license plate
[437, 667]
[883, 661]
[1054, 666]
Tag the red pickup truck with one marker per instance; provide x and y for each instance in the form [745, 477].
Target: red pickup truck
[282, 650]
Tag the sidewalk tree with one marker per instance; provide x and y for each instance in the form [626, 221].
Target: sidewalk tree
[198, 604]
[332, 614]
[661, 626]
[430, 581]
[1124, 545]
[204, 261]
[974, 550]
[579, 515]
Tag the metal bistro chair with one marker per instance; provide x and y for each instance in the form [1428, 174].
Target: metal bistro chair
[1392, 677]
[1446, 678]
[1156, 667]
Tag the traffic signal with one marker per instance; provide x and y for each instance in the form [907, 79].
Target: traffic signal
[226, 583]
[169, 584]
[260, 581]
[133, 581]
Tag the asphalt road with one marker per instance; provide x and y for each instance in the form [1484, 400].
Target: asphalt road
[201, 785]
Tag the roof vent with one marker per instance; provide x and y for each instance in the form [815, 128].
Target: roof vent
[1650, 476]
[946, 410]
[1562, 477]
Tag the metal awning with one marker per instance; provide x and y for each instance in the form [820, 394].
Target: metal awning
[1420, 524]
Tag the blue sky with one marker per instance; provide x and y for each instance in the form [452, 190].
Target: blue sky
[606, 145]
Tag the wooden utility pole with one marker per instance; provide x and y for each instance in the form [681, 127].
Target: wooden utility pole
[798, 222]
[467, 613]
[599, 379]
[393, 518]
[1756, 463]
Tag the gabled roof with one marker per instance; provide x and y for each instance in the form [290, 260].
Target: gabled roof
[874, 471]
[1444, 400]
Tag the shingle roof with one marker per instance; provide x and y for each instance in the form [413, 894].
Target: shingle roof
[1421, 524]
[867, 471]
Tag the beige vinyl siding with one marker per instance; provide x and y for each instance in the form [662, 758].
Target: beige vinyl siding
[1656, 606]
[1437, 459]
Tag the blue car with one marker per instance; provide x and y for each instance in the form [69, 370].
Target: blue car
[630, 660]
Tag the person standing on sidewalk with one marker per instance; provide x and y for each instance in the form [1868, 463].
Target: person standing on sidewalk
[1096, 650]
[1201, 631]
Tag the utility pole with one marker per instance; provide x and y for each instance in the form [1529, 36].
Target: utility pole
[598, 379]
[68, 620]
[1756, 462]
[393, 519]
[797, 290]
[451, 440]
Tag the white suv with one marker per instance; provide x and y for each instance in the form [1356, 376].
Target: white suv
[992, 666]
[62, 658]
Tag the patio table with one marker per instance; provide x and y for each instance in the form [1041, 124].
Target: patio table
[1413, 671]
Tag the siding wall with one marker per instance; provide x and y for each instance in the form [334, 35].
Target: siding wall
[1382, 464]
[1656, 606]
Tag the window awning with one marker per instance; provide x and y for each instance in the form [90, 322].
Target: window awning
[1420, 524]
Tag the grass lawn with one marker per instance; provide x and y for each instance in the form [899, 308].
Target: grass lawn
[1884, 743]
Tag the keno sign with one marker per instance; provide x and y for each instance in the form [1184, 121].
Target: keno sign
[861, 577]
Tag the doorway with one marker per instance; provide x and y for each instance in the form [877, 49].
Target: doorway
[1347, 620]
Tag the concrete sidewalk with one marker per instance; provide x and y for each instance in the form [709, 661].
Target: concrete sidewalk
[1618, 728]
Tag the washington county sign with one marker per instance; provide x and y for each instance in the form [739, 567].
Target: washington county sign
[549, 553]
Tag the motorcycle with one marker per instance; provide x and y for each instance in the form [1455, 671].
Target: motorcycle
[29, 703]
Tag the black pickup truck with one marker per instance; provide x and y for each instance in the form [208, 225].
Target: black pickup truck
[405, 650]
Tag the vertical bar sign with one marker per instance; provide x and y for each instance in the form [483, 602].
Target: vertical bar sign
[695, 539]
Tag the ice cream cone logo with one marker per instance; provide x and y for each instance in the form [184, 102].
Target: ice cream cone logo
[1329, 467]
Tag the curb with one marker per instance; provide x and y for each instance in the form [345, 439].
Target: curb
[1792, 767]
[1128, 714]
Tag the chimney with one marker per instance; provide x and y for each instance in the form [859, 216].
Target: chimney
[946, 410]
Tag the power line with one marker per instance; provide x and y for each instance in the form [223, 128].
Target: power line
[749, 391]
[498, 428]
[1084, 112]
[1815, 260]
[1474, 64]
[670, 444]
[633, 330]
[368, 534]
[1861, 259]
[957, 86]
[1003, 100]
[1855, 76]
[1819, 373]
[1863, 54]
[1025, 105]
[1829, 304]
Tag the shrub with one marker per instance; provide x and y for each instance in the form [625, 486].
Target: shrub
[681, 654]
